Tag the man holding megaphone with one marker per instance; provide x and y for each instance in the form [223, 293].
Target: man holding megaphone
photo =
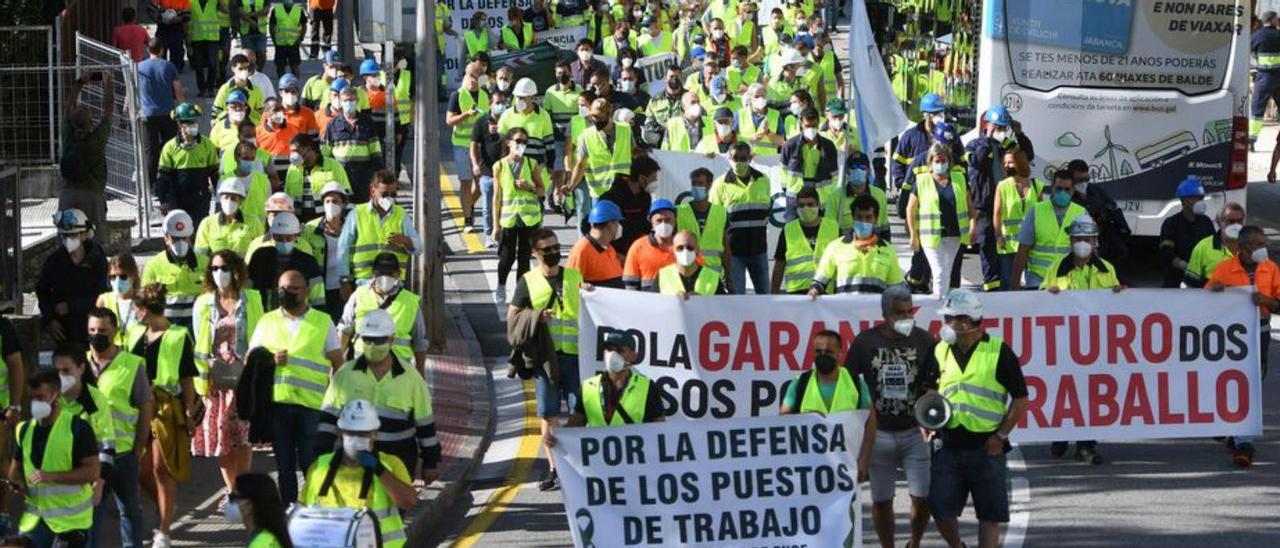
[982, 381]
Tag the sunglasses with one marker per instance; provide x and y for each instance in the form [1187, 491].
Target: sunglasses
[376, 340]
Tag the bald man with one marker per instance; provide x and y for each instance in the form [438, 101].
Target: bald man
[306, 350]
[688, 276]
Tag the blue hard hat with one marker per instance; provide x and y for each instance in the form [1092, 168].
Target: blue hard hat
[944, 133]
[288, 81]
[661, 204]
[698, 52]
[331, 57]
[338, 84]
[604, 211]
[369, 66]
[932, 102]
[1190, 188]
[237, 96]
[998, 116]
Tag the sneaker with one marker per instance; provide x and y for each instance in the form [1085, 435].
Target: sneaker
[1242, 456]
[1058, 448]
[1088, 455]
[468, 228]
[550, 482]
[490, 243]
[500, 294]
[160, 540]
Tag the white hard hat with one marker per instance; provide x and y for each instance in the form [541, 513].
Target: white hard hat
[1083, 226]
[232, 186]
[71, 221]
[279, 202]
[961, 302]
[359, 416]
[792, 57]
[376, 323]
[168, 15]
[179, 224]
[624, 115]
[525, 88]
[334, 186]
[285, 224]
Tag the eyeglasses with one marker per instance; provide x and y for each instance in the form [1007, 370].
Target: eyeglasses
[550, 249]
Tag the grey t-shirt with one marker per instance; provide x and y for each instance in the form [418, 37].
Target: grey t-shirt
[897, 370]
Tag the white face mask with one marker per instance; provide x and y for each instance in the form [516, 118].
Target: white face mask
[352, 446]
[904, 326]
[584, 55]
[67, 382]
[40, 410]
[717, 34]
[296, 158]
[651, 187]
[810, 133]
[1200, 207]
[723, 130]
[222, 279]
[71, 243]
[664, 230]
[180, 248]
[939, 119]
[836, 124]
[583, 112]
[796, 109]
[686, 257]
[1082, 250]
[694, 112]
[759, 103]
[1081, 188]
[242, 74]
[289, 99]
[385, 284]
[518, 149]
[236, 116]
[628, 62]
[385, 203]
[613, 362]
[522, 104]
[332, 210]
[192, 130]
[1000, 136]
[947, 334]
[504, 84]
[229, 206]
[1259, 255]
[278, 119]
[483, 80]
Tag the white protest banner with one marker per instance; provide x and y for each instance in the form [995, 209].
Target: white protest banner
[763, 481]
[463, 10]
[564, 38]
[653, 69]
[1139, 364]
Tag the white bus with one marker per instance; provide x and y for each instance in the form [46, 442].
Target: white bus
[1146, 92]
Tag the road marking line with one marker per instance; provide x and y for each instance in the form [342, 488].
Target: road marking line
[1020, 501]
[453, 200]
[500, 500]
[182, 521]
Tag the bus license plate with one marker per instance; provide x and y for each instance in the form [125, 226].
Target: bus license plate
[1131, 206]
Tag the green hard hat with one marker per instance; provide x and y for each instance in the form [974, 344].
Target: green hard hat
[186, 112]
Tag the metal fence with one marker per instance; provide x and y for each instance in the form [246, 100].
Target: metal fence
[10, 241]
[28, 92]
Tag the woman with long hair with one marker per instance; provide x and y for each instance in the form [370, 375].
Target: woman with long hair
[1015, 196]
[123, 278]
[255, 502]
[224, 318]
[167, 350]
[517, 206]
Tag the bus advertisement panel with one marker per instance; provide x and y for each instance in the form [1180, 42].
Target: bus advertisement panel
[1146, 92]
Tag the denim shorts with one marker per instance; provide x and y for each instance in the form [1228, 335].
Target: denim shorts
[956, 474]
[462, 163]
[568, 388]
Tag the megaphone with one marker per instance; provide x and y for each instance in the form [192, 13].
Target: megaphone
[932, 411]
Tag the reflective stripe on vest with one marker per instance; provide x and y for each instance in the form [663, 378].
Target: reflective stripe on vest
[404, 310]
[250, 302]
[633, 400]
[1014, 208]
[303, 378]
[182, 283]
[748, 128]
[378, 503]
[859, 272]
[476, 42]
[564, 312]
[203, 26]
[371, 239]
[845, 397]
[404, 103]
[978, 400]
[116, 383]
[802, 259]
[602, 163]
[462, 132]
[516, 202]
[671, 283]
[1268, 61]
[62, 507]
[1051, 237]
[259, 22]
[930, 220]
[710, 236]
[288, 29]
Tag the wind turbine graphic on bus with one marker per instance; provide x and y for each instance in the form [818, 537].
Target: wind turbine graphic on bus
[1110, 150]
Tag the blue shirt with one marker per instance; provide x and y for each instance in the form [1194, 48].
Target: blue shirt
[155, 83]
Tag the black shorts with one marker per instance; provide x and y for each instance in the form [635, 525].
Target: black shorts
[955, 474]
[288, 56]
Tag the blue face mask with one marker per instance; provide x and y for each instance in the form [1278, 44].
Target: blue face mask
[940, 168]
[857, 177]
[1061, 198]
[121, 285]
[863, 230]
[284, 248]
[246, 166]
[699, 193]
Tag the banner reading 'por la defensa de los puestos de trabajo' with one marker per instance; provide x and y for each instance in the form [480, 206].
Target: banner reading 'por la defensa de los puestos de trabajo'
[1139, 364]
[751, 481]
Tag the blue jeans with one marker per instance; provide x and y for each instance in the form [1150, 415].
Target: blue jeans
[1006, 270]
[295, 429]
[549, 392]
[486, 196]
[122, 482]
[43, 537]
[583, 204]
[757, 266]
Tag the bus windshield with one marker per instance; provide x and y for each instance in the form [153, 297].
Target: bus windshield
[1183, 45]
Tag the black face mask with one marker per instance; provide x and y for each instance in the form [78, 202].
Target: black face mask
[601, 124]
[824, 363]
[551, 259]
[289, 300]
[673, 86]
[563, 77]
[99, 342]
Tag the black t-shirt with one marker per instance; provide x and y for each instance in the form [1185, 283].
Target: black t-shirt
[635, 213]
[266, 265]
[9, 343]
[653, 409]
[521, 298]
[691, 280]
[83, 442]
[810, 234]
[151, 351]
[490, 143]
[1008, 374]
[897, 370]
